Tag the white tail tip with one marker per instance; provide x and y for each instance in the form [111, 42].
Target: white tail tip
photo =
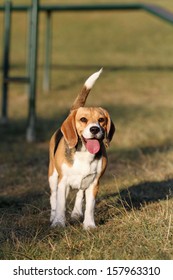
[91, 80]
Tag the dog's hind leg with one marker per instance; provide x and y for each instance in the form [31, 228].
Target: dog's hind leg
[77, 210]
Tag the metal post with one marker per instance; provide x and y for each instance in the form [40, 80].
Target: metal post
[30, 134]
[7, 33]
[28, 47]
[48, 41]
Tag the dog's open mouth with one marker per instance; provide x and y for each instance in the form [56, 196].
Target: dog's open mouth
[92, 145]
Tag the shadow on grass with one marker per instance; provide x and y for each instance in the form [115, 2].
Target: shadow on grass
[17, 203]
[78, 67]
[141, 194]
[130, 68]
[133, 198]
[137, 153]
[45, 127]
[15, 130]
[147, 192]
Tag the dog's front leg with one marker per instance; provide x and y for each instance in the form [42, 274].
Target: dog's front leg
[62, 190]
[90, 195]
[53, 183]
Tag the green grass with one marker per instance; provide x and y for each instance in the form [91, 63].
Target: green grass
[135, 202]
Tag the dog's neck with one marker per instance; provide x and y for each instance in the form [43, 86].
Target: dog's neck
[80, 147]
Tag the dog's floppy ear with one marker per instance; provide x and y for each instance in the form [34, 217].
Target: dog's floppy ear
[110, 128]
[68, 129]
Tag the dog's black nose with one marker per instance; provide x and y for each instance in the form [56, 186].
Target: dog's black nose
[94, 129]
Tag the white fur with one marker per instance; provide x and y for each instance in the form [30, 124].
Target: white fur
[53, 182]
[89, 209]
[92, 79]
[82, 176]
[77, 210]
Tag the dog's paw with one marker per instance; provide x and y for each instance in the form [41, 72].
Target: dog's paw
[76, 215]
[76, 218]
[90, 226]
[52, 216]
[57, 223]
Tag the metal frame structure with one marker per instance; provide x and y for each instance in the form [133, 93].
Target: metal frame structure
[31, 78]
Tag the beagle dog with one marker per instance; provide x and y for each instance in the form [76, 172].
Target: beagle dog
[78, 158]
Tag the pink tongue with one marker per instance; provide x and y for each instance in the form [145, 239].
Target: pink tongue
[92, 145]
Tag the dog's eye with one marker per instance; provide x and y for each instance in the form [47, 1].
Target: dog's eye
[84, 120]
[100, 120]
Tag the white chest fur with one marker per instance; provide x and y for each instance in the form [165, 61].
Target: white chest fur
[83, 171]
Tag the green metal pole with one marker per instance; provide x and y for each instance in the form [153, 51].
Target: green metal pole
[30, 134]
[7, 33]
[28, 48]
[48, 41]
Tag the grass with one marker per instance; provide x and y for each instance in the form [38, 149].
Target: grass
[135, 202]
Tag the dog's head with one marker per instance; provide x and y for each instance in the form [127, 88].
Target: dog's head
[91, 125]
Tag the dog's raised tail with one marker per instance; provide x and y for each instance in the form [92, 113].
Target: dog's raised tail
[82, 96]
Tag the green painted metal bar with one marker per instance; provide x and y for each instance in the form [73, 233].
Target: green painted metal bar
[6, 50]
[30, 134]
[153, 9]
[90, 7]
[48, 40]
[17, 79]
[28, 48]
[159, 12]
[17, 8]
[79, 7]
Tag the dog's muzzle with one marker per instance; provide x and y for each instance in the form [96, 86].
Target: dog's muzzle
[92, 136]
[94, 130]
